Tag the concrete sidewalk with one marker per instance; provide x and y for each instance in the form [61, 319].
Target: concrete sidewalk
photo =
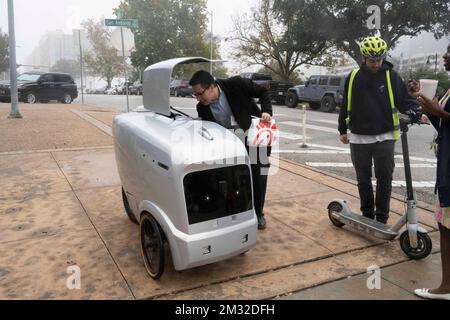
[60, 206]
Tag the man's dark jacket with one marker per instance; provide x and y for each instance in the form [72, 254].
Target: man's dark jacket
[240, 93]
[371, 111]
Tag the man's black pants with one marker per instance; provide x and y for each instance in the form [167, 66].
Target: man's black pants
[382, 154]
[259, 158]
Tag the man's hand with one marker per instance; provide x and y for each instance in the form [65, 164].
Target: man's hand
[344, 139]
[266, 117]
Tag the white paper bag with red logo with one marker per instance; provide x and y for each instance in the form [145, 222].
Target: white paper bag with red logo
[262, 133]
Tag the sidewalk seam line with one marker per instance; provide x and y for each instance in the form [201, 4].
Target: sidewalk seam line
[12, 153]
[95, 228]
[96, 123]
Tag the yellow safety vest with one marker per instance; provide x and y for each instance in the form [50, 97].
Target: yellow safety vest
[395, 118]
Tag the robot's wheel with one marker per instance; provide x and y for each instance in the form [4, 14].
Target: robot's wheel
[333, 208]
[152, 245]
[127, 207]
[423, 249]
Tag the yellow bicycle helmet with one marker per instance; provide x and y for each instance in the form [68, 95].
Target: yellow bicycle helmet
[373, 47]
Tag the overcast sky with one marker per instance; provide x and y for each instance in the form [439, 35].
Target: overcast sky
[34, 18]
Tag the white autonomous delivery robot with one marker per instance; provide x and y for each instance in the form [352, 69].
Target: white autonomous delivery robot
[186, 182]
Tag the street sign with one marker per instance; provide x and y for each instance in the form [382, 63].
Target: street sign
[128, 23]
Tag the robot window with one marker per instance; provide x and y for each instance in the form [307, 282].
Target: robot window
[216, 193]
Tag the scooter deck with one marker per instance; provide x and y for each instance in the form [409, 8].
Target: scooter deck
[369, 226]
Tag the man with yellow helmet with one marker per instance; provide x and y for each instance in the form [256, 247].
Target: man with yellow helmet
[373, 95]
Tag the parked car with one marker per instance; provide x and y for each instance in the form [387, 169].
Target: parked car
[324, 92]
[278, 89]
[41, 87]
[122, 88]
[136, 88]
[180, 88]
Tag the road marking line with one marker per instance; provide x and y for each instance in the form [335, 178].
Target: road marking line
[300, 151]
[350, 165]
[327, 147]
[335, 122]
[416, 184]
[310, 126]
[399, 156]
[291, 136]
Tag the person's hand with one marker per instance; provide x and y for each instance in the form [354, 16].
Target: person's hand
[266, 117]
[344, 139]
[429, 106]
[424, 119]
[413, 87]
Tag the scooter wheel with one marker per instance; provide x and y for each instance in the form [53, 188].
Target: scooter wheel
[335, 207]
[152, 245]
[423, 249]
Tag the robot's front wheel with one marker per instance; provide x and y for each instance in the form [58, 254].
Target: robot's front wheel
[152, 245]
[423, 249]
[335, 207]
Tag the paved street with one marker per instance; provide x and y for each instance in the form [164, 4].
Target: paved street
[324, 150]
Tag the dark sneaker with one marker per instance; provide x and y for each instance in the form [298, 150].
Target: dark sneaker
[261, 222]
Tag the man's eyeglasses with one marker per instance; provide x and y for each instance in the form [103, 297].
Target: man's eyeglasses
[199, 94]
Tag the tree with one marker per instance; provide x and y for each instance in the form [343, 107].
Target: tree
[344, 22]
[4, 52]
[167, 29]
[104, 60]
[71, 67]
[265, 40]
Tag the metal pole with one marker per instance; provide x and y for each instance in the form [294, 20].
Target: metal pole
[435, 63]
[125, 68]
[12, 62]
[304, 145]
[211, 45]
[81, 66]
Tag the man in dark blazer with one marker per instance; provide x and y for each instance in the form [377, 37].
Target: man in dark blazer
[230, 103]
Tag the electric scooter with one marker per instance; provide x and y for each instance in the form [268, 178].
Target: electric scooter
[414, 241]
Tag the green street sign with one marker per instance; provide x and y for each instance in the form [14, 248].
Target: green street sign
[128, 23]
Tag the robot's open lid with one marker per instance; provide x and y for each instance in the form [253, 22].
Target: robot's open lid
[156, 82]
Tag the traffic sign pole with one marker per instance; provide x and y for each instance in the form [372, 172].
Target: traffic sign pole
[125, 68]
[128, 23]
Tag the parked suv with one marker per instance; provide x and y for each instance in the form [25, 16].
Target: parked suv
[324, 92]
[38, 86]
[278, 89]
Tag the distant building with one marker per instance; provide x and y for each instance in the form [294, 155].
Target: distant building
[55, 46]
[431, 61]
